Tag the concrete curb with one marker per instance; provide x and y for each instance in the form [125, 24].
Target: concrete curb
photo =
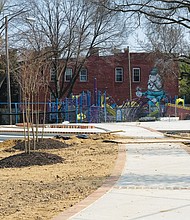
[53, 132]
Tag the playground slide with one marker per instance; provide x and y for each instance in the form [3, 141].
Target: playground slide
[110, 110]
[154, 113]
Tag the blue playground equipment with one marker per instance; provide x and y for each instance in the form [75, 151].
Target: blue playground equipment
[96, 106]
[84, 107]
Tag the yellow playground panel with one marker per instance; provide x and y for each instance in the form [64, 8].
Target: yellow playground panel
[180, 101]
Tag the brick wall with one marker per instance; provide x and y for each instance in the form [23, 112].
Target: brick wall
[103, 69]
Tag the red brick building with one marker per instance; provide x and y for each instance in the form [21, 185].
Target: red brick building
[119, 75]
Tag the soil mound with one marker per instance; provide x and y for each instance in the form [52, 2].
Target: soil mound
[43, 144]
[34, 158]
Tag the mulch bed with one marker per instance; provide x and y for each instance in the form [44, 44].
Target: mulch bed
[34, 158]
[38, 156]
[43, 144]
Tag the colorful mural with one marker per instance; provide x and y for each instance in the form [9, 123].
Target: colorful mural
[155, 92]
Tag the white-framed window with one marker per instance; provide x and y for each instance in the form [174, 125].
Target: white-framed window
[118, 74]
[68, 74]
[83, 75]
[52, 73]
[136, 75]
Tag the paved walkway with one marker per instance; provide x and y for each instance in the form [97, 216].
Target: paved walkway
[154, 183]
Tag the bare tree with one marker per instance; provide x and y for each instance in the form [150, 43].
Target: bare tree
[70, 31]
[164, 38]
[162, 12]
[2, 63]
[168, 11]
[165, 43]
[10, 10]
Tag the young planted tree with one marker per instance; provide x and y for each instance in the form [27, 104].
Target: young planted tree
[33, 83]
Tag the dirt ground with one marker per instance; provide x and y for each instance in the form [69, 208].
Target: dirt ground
[57, 176]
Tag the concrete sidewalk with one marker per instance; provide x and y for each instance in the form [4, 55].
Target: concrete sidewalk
[155, 181]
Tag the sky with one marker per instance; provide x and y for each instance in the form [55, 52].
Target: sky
[132, 40]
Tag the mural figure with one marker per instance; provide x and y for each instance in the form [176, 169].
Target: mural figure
[155, 92]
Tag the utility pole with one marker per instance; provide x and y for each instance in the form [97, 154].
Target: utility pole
[129, 69]
[8, 72]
